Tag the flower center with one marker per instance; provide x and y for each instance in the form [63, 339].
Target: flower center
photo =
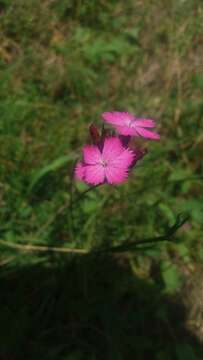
[104, 163]
[129, 123]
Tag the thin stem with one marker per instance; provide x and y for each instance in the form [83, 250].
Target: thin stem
[71, 218]
[132, 245]
[39, 248]
[126, 247]
[81, 195]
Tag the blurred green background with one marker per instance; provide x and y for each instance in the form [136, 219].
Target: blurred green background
[62, 63]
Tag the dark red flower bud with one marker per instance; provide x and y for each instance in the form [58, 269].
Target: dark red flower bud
[94, 133]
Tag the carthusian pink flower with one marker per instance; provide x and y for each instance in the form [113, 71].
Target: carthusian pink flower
[128, 125]
[105, 163]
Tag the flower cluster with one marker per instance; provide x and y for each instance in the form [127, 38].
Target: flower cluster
[109, 158]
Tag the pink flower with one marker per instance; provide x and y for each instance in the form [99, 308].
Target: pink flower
[108, 163]
[127, 124]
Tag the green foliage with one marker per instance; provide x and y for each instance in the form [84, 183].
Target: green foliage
[62, 63]
[171, 276]
[51, 168]
[185, 352]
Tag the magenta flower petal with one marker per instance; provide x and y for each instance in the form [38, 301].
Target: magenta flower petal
[79, 171]
[147, 134]
[128, 125]
[92, 154]
[148, 123]
[124, 160]
[116, 175]
[116, 117]
[109, 163]
[126, 131]
[112, 148]
[94, 174]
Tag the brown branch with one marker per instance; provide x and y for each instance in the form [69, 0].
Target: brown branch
[40, 248]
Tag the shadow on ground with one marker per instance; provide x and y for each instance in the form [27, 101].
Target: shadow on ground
[89, 308]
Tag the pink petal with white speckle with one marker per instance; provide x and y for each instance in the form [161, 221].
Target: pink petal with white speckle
[117, 118]
[124, 160]
[92, 154]
[148, 123]
[94, 174]
[128, 125]
[116, 175]
[112, 148]
[79, 171]
[126, 130]
[147, 134]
